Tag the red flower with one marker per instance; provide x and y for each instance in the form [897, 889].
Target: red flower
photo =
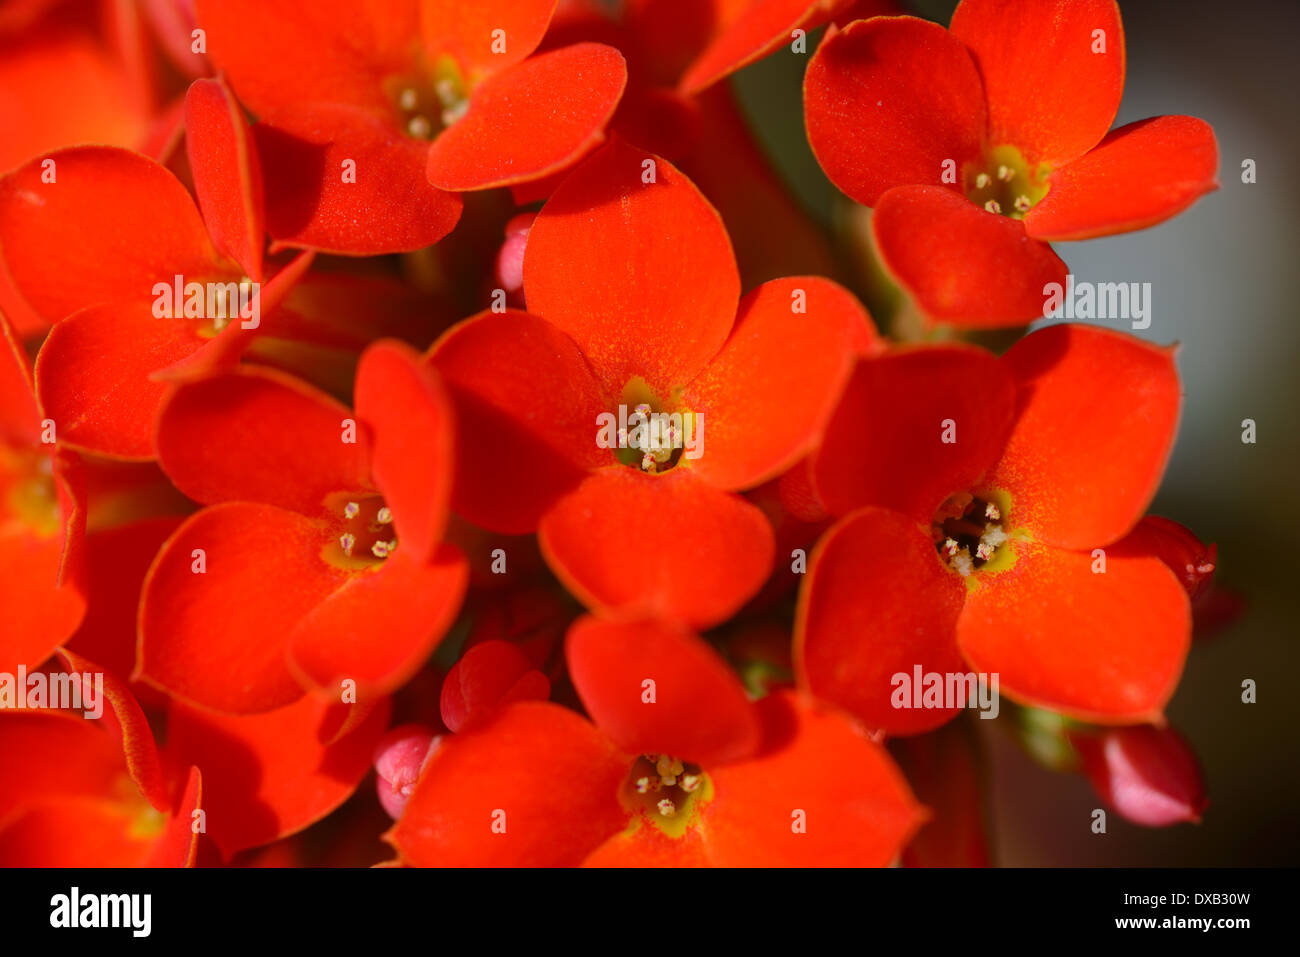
[424, 98]
[999, 495]
[720, 780]
[89, 233]
[320, 559]
[978, 145]
[1149, 775]
[632, 291]
[42, 522]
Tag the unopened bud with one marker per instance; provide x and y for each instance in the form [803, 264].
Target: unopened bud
[399, 757]
[1150, 776]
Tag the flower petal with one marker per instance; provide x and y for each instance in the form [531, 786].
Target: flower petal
[266, 776]
[487, 36]
[712, 555]
[1053, 72]
[39, 615]
[339, 179]
[227, 173]
[964, 265]
[327, 51]
[1139, 175]
[537, 786]
[914, 426]
[20, 417]
[526, 410]
[699, 711]
[888, 102]
[404, 406]
[761, 28]
[1096, 415]
[640, 274]
[817, 770]
[219, 637]
[1100, 647]
[878, 604]
[259, 435]
[767, 395]
[94, 376]
[110, 225]
[488, 676]
[379, 627]
[531, 120]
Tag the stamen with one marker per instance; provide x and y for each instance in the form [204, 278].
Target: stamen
[982, 181]
[667, 808]
[991, 512]
[1022, 203]
[384, 516]
[351, 510]
[689, 782]
[1006, 174]
[347, 540]
[408, 99]
[419, 127]
[992, 206]
[379, 549]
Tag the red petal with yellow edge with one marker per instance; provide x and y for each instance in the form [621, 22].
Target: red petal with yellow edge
[124, 720]
[38, 614]
[964, 265]
[536, 787]
[327, 51]
[266, 776]
[408, 414]
[259, 435]
[1139, 175]
[484, 37]
[1096, 415]
[219, 638]
[53, 754]
[488, 676]
[531, 120]
[72, 832]
[94, 376]
[178, 845]
[914, 426]
[699, 711]
[892, 101]
[1053, 72]
[227, 173]
[604, 543]
[641, 275]
[526, 406]
[767, 395]
[110, 225]
[818, 794]
[878, 604]
[20, 417]
[1101, 646]
[339, 179]
[380, 626]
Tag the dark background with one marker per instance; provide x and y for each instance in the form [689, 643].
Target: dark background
[1225, 281]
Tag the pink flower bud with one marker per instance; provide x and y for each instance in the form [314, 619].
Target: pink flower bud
[400, 755]
[1150, 776]
[510, 260]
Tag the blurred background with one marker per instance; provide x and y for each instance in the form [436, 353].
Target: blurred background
[1225, 280]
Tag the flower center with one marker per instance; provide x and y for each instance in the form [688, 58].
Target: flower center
[968, 530]
[666, 791]
[362, 531]
[425, 106]
[1004, 184]
[28, 494]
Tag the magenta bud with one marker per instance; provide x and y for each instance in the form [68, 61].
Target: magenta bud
[510, 260]
[1150, 776]
[400, 755]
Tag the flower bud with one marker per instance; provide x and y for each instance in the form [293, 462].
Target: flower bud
[399, 757]
[1150, 776]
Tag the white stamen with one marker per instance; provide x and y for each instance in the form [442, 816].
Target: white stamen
[351, 509]
[992, 206]
[384, 516]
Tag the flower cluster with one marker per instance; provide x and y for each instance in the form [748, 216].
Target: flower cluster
[455, 391]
